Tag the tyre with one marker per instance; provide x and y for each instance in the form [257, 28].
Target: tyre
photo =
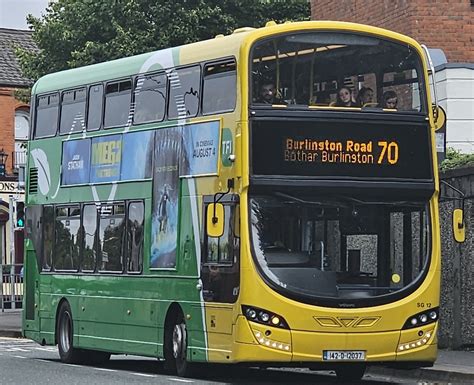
[176, 345]
[64, 335]
[350, 372]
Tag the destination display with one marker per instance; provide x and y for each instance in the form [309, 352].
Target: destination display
[328, 149]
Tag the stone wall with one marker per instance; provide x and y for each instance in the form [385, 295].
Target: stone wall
[457, 271]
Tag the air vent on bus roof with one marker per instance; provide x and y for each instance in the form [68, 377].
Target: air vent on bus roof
[243, 29]
[33, 181]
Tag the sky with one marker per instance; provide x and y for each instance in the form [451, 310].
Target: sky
[13, 12]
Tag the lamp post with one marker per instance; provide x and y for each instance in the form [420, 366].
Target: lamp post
[3, 159]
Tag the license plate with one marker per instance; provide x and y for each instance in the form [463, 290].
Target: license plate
[343, 355]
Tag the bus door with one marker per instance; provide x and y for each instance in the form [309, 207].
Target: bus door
[220, 274]
[34, 260]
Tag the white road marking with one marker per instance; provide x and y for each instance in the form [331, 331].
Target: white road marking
[19, 357]
[75, 366]
[51, 349]
[42, 360]
[14, 349]
[180, 380]
[143, 374]
[105, 369]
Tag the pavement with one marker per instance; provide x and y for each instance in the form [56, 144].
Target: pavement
[451, 365]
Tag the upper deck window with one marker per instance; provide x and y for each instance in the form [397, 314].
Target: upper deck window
[73, 110]
[117, 103]
[332, 69]
[150, 98]
[95, 107]
[184, 92]
[219, 90]
[47, 111]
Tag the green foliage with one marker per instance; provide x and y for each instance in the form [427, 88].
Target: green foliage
[23, 94]
[74, 33]
[455, 159]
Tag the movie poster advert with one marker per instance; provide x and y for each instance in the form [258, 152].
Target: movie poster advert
[201, 143]
[106, 158]
[165, 197]
[137, 156]
[75, 162]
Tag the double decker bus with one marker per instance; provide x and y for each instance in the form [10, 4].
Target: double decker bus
[266, 198]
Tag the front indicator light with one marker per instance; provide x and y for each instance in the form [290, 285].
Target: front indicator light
[269, 343]
[415, 344]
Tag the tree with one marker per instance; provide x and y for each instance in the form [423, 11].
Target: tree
[455, 159]
[74, 33]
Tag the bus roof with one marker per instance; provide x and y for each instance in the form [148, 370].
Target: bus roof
[218, 47]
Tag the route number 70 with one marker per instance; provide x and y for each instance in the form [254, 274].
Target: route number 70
[389, 152]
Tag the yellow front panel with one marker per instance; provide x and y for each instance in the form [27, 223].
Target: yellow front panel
[378, 346]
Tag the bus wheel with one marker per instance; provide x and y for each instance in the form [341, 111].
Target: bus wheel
[178, 348]
[64, 334]
[350, 372]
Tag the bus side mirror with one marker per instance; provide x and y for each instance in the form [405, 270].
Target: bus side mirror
[459, 227]
[439, 117]
[215, 220]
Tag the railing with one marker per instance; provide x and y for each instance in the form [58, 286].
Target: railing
[18, 159]
[11, 288]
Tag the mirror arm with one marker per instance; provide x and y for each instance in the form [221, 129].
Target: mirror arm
[432, 73]
[230, 185]
[462, 198]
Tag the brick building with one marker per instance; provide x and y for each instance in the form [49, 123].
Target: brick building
[439, 24]
[14, 127]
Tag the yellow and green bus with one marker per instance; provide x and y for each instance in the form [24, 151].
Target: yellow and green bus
[265, 198]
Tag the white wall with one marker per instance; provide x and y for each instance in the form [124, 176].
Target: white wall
[455, 89]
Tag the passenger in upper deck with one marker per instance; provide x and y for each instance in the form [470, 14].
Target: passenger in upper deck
[269, 94]
[390, 100]
[344, 98]
[365, 97]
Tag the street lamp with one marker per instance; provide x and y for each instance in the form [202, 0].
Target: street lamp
[3, 159]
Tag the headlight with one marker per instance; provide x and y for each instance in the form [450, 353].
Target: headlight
[422, 319]
[264, 317]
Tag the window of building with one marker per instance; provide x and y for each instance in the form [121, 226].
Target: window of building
[89, 223]
[117, 103]
[184, 92]
[73, 110]
[22, 125]
[136, 221]
[22, 128]
[219, 89]
[47, 111]
[111, 236]
[95, 107]
[150, 98]
[67, 245]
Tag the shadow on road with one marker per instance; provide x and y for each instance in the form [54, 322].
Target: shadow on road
[234, 374]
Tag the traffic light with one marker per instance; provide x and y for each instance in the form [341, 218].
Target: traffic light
[20, 214]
